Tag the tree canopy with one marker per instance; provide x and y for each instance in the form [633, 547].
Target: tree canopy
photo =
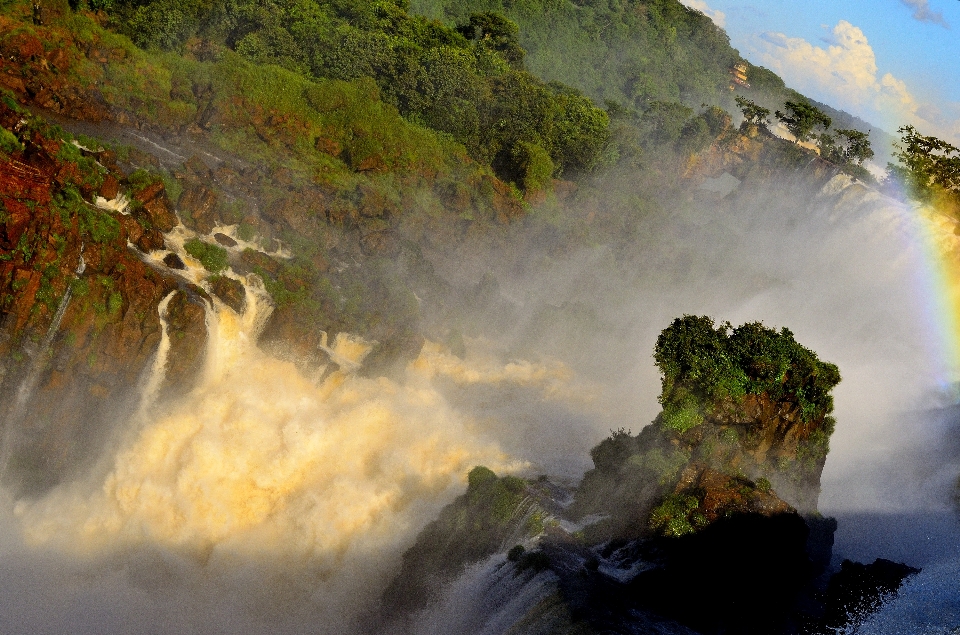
[801, 118]
[753, 114]
[927, 164]
[704, 364]
[466, 80]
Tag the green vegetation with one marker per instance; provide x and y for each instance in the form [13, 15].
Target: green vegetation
[705, 367]
[467, 82]
[9, 142]
[753, 114]
[677, 516]
[212, 257]
[500, 497]
[630, 53]
[929, 167]
[848, 149]
[801, 118]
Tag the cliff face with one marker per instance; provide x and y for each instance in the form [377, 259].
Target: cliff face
[79, 321]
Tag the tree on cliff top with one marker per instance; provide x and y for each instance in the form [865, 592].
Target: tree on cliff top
[928, 165]
[753, 114]
[801, 118]
[705, 365]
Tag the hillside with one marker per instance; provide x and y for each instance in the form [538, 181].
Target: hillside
[631, 53]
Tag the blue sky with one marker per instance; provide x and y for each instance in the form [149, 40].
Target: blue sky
[890, 62]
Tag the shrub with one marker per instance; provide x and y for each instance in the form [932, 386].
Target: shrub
[703, 366]
[9, 142]
[212, 257]
[676, 516]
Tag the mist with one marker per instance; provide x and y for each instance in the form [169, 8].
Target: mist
[278, 496]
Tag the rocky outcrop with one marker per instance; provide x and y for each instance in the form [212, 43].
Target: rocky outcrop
[493, 512]
[691, 525]
[745, 429]
[231, 292]
[152, 207]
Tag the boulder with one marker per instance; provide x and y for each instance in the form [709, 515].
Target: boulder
[110, 187]
[224, 240]
[257, 259]
[150, 240]
[200, 203]
[231, 292]
[196, 166]
[173, 261]
[154, 207]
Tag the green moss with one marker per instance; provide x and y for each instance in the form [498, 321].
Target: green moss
[246, 232]
[212, 257]
[171, 186]
[681, 412]
[9, 142]
[114, 302]
[665, 465]
[677, 516]
[80, 287]
[499, 497]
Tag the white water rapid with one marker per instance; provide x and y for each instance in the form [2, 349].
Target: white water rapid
[273, 500]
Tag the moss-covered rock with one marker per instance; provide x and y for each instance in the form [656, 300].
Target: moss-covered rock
[745, 428]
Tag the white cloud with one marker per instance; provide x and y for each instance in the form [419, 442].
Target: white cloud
[719, 17]
[845, 75]
[923, 12]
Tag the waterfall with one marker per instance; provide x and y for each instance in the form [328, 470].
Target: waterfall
[157, 372]
[261, 474]
[493, 598]
[273, 497]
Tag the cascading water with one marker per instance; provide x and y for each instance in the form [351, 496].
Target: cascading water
[273, 499]
[158, 368]
[261, 474]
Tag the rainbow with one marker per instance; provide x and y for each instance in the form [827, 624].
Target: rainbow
[934, 234]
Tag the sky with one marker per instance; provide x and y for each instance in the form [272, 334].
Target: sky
[890, 62]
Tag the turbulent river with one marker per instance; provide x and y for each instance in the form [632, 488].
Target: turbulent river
[270, 499]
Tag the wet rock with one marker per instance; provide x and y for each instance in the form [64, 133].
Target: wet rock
[173, 261]
[131, 228]
[226, 176]
[188, 338]
[371, 203]
[224, 240]
[231, 292]
[196, 166]
[257, 259]
[380, 243]
[150, 240]
[154, 209]
[200, 203]
[300, 212]
[858, 590]
[110, 188]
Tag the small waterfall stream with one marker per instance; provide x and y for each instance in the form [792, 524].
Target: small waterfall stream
[19, 407]
[155, 376]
